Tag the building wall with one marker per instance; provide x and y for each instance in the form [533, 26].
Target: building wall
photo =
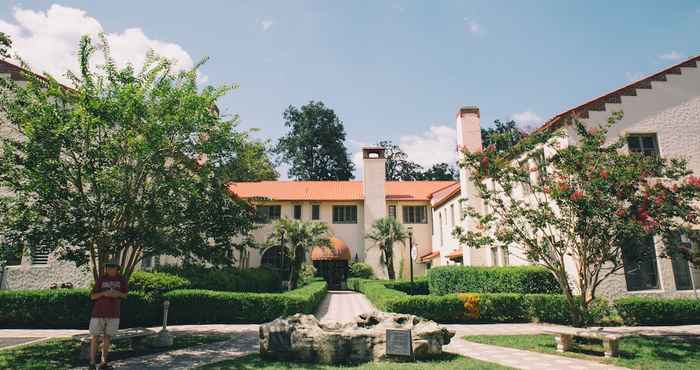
[28, 276]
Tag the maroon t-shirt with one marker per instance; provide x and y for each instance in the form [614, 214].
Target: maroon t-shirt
[107, 306]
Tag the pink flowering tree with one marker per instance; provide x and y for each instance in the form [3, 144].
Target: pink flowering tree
[581, 202]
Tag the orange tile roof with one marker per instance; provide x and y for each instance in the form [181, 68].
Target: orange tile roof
[457, 253]
[429, 256]
[334, 190]
[441, 196]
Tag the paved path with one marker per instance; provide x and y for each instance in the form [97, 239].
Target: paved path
[521, 359]
[532, 328]
[342, 306]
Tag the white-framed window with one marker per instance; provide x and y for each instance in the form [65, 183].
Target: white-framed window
[315, 211]
[646, 144]
[452, 214]
[266, 213]
[641, 270]
[344, 214]
[391, 211]
[297, 211]
[415, 214]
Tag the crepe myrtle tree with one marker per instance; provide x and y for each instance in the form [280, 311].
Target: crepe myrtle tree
[123, 164]
[296, 239]
[583, 202]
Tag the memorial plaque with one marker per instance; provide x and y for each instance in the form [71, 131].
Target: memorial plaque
[399, 342]
[280, 339]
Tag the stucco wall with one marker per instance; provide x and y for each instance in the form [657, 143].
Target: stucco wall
[28, 276]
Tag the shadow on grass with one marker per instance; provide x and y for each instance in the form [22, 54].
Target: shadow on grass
[252, 362]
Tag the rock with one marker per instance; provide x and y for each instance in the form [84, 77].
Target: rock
[303, 338]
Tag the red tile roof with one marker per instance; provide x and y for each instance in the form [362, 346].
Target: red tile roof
[334, 190]
[429, 256]
[442, 196]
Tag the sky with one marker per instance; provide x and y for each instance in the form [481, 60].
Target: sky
[391, 70]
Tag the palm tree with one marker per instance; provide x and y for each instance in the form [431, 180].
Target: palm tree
[297, 238]
[384, 233]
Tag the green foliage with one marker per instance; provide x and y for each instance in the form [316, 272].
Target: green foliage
[503, 136]
[154, 284]
[68, 309]
[361, 270]
[655, 311]
[5, 45]
[384, 233]
[314, 147]
[511, 279]
[439, 172]
[307, 274]
[226, 279]
[583, 202]
[297, 238]
[205, 306]
[399, 168]
[123, 164]
[418, 287]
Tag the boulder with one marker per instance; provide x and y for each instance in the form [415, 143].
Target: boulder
[303, 338]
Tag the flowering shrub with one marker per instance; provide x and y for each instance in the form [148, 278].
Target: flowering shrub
[471, 304]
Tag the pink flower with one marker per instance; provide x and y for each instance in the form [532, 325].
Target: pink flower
[620, 213]
[546, 189]
[695, 181]
[593, 130]
[659, 200]
[563, 186]
[491, 148]
[578, 194]
[484, 161]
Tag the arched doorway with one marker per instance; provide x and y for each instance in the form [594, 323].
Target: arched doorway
[276, 260]
[332, 263]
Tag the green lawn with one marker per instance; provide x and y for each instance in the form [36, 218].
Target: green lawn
[65, 353]
[636, 352]
[444, 362]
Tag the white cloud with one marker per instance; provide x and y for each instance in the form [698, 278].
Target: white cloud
[672, 56]
[266, 24]
[48, 41]
[527, 120]
[472, 26]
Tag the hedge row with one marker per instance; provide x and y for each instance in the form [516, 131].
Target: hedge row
[70, 308]
[512, 279]
[655, 311]
[206, 306]
[472, 307]
[227, 279]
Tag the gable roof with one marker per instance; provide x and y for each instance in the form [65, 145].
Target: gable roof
[615, 96]
[334, 190]
[442, 196]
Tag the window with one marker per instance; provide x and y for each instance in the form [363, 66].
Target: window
[644, 144]
[639, 258]
[391, 211]
[40, 255]
[442, 243]
[415, 215]
[266, 213]
[344, 214]
[315, 211]
[494, 256]
[681, 268]
[452, 214]
[297, 211]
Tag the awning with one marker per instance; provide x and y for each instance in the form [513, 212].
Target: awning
[429, 256]
[456, 254]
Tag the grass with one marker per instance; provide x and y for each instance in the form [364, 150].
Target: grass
[444, 362]
[636, 352]
[65, 353]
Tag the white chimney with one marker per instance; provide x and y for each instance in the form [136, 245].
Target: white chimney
[469, 138]
[373, 180]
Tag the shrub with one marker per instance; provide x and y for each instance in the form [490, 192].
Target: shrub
[467, 279]
[191, 306]
[655, 311]
[418, 287]
[155, 284]
[227, 279]
[361, 270]
[67, 309]
[307, 274]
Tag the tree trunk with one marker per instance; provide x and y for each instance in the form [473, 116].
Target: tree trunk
[389, 259]
[296, 268]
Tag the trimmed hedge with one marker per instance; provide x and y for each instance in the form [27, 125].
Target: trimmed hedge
[361, 270]
[471, 307]
[68, 309]
[227, 279]
[654, 311]
[418, 287]
[189, 306]
[511, 279]
[155, 284]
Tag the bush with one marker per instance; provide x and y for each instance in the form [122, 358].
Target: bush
[155, 284]
[654, 311]
[467, 279]
[418, 287]
[361, 270]
[68, 309]
[227, 279]
[190, 306]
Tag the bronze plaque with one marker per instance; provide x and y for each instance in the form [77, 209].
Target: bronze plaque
[399, 342]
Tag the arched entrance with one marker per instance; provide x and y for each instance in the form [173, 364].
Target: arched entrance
[276, 260]
[332, 263]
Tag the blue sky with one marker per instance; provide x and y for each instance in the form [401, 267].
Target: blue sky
[390, 69]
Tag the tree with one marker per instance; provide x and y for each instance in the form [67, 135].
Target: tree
[297, 239]
[5, 45]
[398, 167]
[439, 172]
[585, 202]
[384, 233]
[315, 146]
[503, 136]
[123, 164]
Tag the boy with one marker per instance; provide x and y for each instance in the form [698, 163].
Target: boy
[107, 294]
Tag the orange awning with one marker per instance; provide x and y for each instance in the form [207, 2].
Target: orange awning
[429, 256]
[457, 253]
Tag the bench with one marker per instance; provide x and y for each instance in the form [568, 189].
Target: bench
[564, 339]
[135, 337]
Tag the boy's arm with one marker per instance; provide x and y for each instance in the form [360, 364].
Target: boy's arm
[123, 291]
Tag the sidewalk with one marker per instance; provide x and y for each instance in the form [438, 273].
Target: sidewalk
[342, 306]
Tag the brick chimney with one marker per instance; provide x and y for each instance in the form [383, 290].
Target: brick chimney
[373, 179]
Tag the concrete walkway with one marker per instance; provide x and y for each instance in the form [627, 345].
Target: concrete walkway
[340, 305]
[521, 359]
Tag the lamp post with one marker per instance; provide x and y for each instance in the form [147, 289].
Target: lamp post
[410, 250]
